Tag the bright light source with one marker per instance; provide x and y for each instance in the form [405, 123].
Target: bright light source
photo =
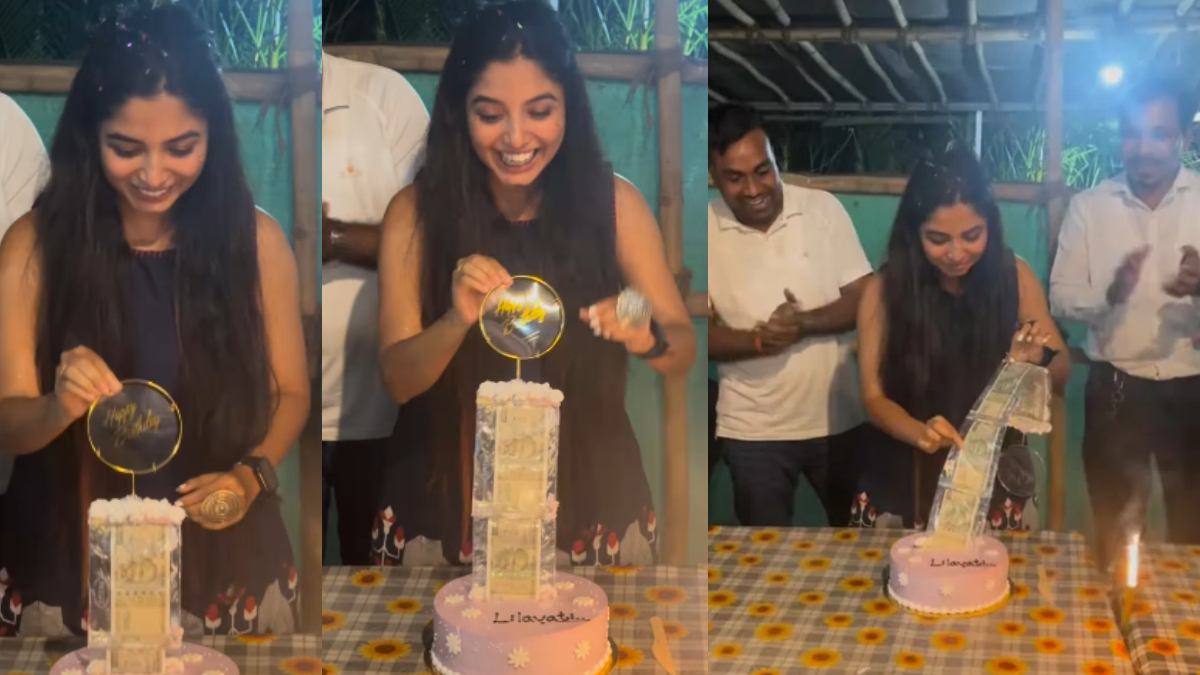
[1112, 75]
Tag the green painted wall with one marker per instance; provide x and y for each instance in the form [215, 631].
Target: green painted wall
[632, 147]
[269, 168]
[1025, 233]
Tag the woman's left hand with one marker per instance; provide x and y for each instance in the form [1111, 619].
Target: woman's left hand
[239, 481]
[1028, 344]
[602, 317]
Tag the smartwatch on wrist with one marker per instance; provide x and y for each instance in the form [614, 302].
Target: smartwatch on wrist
[264, 474]
[660, 343]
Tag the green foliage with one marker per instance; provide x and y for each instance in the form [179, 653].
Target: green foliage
[593, 25]
[247, 33]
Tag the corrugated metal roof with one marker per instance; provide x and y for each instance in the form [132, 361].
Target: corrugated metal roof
[1014, 65]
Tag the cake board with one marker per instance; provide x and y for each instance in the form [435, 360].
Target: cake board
[887, 591]
[427, 641]
[196, 660]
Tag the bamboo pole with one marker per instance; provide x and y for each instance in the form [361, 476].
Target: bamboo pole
[670, 216]
[1054, 179]
[429, 59]
[306, 200]
[24, 78]
[891, 106]
[1026, 193]
[1082, 30]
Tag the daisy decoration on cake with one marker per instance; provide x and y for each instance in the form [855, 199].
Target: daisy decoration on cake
[903, 579]
[583, 649]
[518, 658]
[454, 643]
[946, 590]
[455, 600]
[584, 601]
[470, 612]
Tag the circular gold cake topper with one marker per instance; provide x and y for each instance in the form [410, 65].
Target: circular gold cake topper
[523, 321]
[137, 430]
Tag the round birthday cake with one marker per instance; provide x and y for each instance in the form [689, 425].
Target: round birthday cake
[566, 634]
[948, 580]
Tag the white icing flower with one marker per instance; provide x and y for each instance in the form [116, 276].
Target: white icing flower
[564, 585]
[192, 658]
[454, 643]
[903, 579]
[455, 600]
[583, 649]
[903, 549]
[916, 559]
[920, 541]
[946, 590]
[518, 658]
[991, 553]
[470, 612]
[989, 585]
[584, 601]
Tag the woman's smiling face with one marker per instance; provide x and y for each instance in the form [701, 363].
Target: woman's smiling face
[517, 118]
[153, 150]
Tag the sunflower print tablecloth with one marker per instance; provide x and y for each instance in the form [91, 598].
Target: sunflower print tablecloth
[254, 655]
[1164, 631]
[373, 617]
[812, 601]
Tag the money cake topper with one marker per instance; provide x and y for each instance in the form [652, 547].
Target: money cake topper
[522, 321]
[1018, 396]
[136, 431]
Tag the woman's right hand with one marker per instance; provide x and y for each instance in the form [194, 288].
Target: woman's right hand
[82, 377]
[475, 277]
[938, 434]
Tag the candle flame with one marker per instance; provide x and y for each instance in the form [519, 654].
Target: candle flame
[1131, 561]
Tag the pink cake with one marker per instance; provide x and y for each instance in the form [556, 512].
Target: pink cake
[191, 660]
[940, 581]
[565, 635]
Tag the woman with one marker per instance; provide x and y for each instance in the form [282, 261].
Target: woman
[144, 257]
[515, 182]
[934, 325]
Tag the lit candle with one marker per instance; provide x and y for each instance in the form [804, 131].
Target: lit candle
[1131, 579]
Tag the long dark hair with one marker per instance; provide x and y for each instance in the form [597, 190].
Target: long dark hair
[224, 379]
[918, 351]
[574, 230]
[456, 209]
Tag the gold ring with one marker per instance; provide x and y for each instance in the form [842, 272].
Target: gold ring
[221, 507]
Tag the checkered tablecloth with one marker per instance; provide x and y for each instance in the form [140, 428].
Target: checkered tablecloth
[373, 617]
[267, 655]
[812, 600]
[1164, 634]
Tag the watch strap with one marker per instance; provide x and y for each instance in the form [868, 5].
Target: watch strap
[660, 343]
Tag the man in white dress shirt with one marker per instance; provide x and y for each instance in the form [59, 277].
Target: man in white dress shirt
[372, 144]
[785, 272]
[23, 166]
[1127, 266]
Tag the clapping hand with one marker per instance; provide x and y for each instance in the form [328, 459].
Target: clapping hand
[1127, 276]
[782, 330]
[1187, 282]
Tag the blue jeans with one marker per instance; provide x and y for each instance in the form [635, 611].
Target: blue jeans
[767, 473]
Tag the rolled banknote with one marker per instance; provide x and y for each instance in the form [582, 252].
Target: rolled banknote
[633, 308]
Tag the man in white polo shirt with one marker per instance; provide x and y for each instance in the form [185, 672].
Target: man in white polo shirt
[1127, 266]
[785, 272]
[23, 170]
[372, 143]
